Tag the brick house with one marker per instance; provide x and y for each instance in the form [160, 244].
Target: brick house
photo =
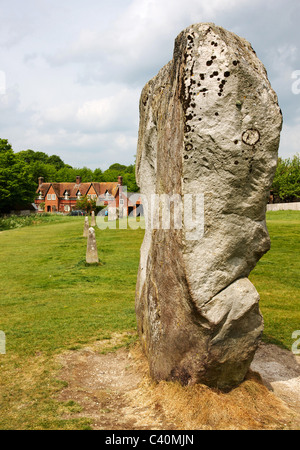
[62, 197]
[128, 203]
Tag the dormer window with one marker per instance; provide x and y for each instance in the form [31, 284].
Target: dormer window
[66, 194]
[107, 195]
[40, 195]
[78, 195]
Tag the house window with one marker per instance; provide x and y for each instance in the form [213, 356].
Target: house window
[53, 197]
[89, 196]
[94, 196]
[67, 208]
[48, 196]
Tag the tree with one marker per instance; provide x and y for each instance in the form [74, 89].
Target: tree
[286, 183]
[119, 167]
[17, 186]
[56, 161]
[85, 204]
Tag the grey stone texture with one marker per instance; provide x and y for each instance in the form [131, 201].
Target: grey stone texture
[86, 227]
[91, 249]
[209, 124]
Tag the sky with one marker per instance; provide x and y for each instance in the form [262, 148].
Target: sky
[72, 71]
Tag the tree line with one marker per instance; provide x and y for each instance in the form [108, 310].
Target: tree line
[19, 173]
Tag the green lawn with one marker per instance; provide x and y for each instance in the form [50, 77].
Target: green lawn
[52, 301]
[277, 278]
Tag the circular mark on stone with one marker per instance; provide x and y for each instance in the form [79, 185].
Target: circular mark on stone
[209, 63]
[236, 142]
[251, 136]
[186, 157]
[188, 147]
[236, 163]
[216, 114]
[227, 74]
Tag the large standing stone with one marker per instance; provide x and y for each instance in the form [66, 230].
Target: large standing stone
[86, 227]
[91, 249]
[209, 124]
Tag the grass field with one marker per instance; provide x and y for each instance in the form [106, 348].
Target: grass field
[52, 301]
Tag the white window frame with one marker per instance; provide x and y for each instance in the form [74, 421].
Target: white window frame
[53, 197]
[67, 208]
[48, 196]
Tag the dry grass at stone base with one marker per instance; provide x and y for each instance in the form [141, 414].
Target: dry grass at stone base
[249, 406]
[114, 390]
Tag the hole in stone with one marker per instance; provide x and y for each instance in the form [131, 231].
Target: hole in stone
[209, 63]
[188, 147]
[236, 163]
[216, 114]
[186, 157]
[236, 141]
[235, 63]
[227, 74]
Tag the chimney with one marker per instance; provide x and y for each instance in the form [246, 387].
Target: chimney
[41, 180]
[78, 179]
[120, 181]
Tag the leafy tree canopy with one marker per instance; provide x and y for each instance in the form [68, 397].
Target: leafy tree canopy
[17, 186]
[286, 183]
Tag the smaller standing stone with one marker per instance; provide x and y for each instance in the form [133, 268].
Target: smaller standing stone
[93, 219]
[91, 250]
[86, 227]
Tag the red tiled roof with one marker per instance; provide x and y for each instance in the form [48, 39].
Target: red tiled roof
[83, 188]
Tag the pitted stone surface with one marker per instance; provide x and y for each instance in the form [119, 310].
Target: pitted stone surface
[209, 124]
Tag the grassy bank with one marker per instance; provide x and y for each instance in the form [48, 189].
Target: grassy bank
[13, 221]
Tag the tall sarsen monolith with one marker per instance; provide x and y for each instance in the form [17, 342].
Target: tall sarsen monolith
[209, 126]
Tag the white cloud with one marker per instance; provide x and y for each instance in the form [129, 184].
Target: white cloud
[75, 70]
